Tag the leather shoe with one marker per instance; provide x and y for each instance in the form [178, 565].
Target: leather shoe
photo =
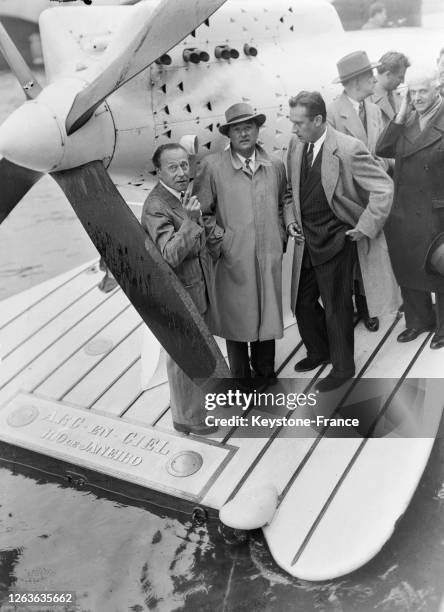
[437, 342]
[372, 324]
[307, 364]
[329, 383]
[198, 430]
[410, 333]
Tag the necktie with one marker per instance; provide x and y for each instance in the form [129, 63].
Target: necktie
[307, 161]
[362, 115]
[248, 168]
[310, 155]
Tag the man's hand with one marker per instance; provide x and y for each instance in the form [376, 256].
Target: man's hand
[406, 106]
[294, 231]
[191, 206]
[355, 235]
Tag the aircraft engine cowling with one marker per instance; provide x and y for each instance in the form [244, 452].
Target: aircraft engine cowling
[34, 136]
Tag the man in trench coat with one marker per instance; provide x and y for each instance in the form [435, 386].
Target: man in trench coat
[353, 113]
[416, 141]
[341, 199]
[242, 191]
[173, 220]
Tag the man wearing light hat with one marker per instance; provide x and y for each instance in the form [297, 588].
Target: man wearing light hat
[242, 191]
[354, 114]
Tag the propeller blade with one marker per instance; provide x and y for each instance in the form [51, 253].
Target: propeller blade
[167, 25]
[15, 182]
[18, 66]
[141, 271]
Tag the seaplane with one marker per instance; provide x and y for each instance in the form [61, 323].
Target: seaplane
[120, 81]
[21, 21]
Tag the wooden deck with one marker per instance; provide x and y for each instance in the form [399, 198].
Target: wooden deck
[67, 342]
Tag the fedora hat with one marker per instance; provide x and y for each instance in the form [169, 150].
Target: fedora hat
[353, 64]
[434, 262]
[237, 113]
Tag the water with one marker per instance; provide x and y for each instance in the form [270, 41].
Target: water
[120, 556]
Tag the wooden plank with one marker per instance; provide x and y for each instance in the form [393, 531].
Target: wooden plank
[394, 356]
[35, 346]
[365, 343]
[73, 370]
[430, 364]
[288, 452]
[88, 390]
[65, 347]
[122, 393]
[47, 311]
[150, 405]
[14, 306]
[285, 346]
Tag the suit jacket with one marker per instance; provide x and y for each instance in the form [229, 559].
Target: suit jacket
[417, 215]
[360, 194]
[180, 240]
[343, 117]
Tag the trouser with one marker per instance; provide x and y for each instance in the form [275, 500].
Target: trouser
[262, 358]
[419, 311]
[327, 330]
[361, 300]
[186, 398]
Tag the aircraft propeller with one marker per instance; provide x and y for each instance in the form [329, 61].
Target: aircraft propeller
[169, 23]
[18, 66]
[34, 140]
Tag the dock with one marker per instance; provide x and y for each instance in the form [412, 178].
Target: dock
[70, 389]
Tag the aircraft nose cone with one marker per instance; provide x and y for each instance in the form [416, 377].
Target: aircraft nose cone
[31, 137]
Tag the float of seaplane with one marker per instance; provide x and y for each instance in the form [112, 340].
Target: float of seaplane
[83, 386]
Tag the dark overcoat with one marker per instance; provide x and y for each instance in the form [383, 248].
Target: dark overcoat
[417, 215]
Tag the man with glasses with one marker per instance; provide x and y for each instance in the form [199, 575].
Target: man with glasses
[172, 217]
[242, 191]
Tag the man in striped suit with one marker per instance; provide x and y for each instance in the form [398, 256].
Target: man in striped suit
[341, 199]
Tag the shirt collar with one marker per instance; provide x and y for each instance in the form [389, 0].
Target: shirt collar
[175, 193]
[354, 103]
[318, 144]
[252, 158]
[261, 158]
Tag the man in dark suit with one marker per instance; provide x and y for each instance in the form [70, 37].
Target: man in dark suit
[416, 141]
[172, 217]
[341, 199]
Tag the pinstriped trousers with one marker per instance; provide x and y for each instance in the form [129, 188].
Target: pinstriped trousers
[327, 330]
